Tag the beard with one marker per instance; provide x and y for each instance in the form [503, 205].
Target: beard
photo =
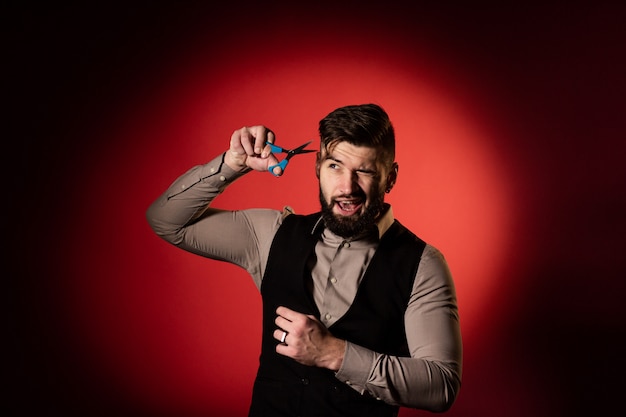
[353, 225]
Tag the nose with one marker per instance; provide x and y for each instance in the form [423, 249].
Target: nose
[348, 183]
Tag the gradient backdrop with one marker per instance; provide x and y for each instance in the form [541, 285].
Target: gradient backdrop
[511, 144]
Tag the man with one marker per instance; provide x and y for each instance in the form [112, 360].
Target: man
[359, 314]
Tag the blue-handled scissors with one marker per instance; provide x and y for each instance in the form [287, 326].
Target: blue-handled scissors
[290, 153]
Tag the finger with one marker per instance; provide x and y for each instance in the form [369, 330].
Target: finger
[235, 143]
[271, 137]
[267, 149]
[283, 324]
[277, 171]
[285, 350]
[247, 141]
[260, 137]
[288, 313]
[272, 160]
[281, 335]
[257, 138]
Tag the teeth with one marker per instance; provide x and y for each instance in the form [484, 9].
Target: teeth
[347, 205]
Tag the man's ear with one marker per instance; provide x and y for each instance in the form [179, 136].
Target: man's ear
[392, 177]
[318, 163]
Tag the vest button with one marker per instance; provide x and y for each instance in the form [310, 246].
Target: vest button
[304, 381]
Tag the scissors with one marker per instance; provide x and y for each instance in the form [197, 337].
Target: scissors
[290, 153]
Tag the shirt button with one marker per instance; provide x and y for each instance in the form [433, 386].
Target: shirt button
[212, 169]
[348, 382]
[328, 316]
[305, 381]
[333, 280]
[183, 186]
[222, 178]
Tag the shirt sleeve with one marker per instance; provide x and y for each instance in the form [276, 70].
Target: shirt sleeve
[431, 377]
[183, 217]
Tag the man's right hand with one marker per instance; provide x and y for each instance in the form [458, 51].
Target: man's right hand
[248, 149]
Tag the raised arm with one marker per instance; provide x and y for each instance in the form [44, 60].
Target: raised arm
[183, 215]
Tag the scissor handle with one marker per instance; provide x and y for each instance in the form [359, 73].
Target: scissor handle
[282, 164]
[274, 147]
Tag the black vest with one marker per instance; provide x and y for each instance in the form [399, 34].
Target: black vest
[375, 320]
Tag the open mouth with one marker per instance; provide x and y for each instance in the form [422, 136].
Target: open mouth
[349, 207]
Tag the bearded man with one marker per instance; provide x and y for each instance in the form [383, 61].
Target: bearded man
[360, 315]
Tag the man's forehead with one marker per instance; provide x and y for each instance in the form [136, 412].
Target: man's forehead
[346, 149]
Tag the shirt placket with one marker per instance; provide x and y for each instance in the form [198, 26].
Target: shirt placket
[334, 305]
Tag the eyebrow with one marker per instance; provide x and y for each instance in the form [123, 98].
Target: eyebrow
[329, 157]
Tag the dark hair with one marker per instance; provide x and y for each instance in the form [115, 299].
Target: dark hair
[360, 125]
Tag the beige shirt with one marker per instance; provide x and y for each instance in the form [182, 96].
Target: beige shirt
[429, 379]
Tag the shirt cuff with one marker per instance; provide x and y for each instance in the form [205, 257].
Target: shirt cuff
[356, 367]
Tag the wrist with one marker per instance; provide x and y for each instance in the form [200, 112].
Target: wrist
[235, 161]
[335, 355]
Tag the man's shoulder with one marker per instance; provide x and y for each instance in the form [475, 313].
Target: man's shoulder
[307, 221]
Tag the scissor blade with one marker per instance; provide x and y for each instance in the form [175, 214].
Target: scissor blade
[300, 149]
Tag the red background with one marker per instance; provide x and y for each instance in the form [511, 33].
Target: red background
[510, 126]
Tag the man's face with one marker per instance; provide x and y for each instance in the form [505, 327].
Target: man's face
[353, 180]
